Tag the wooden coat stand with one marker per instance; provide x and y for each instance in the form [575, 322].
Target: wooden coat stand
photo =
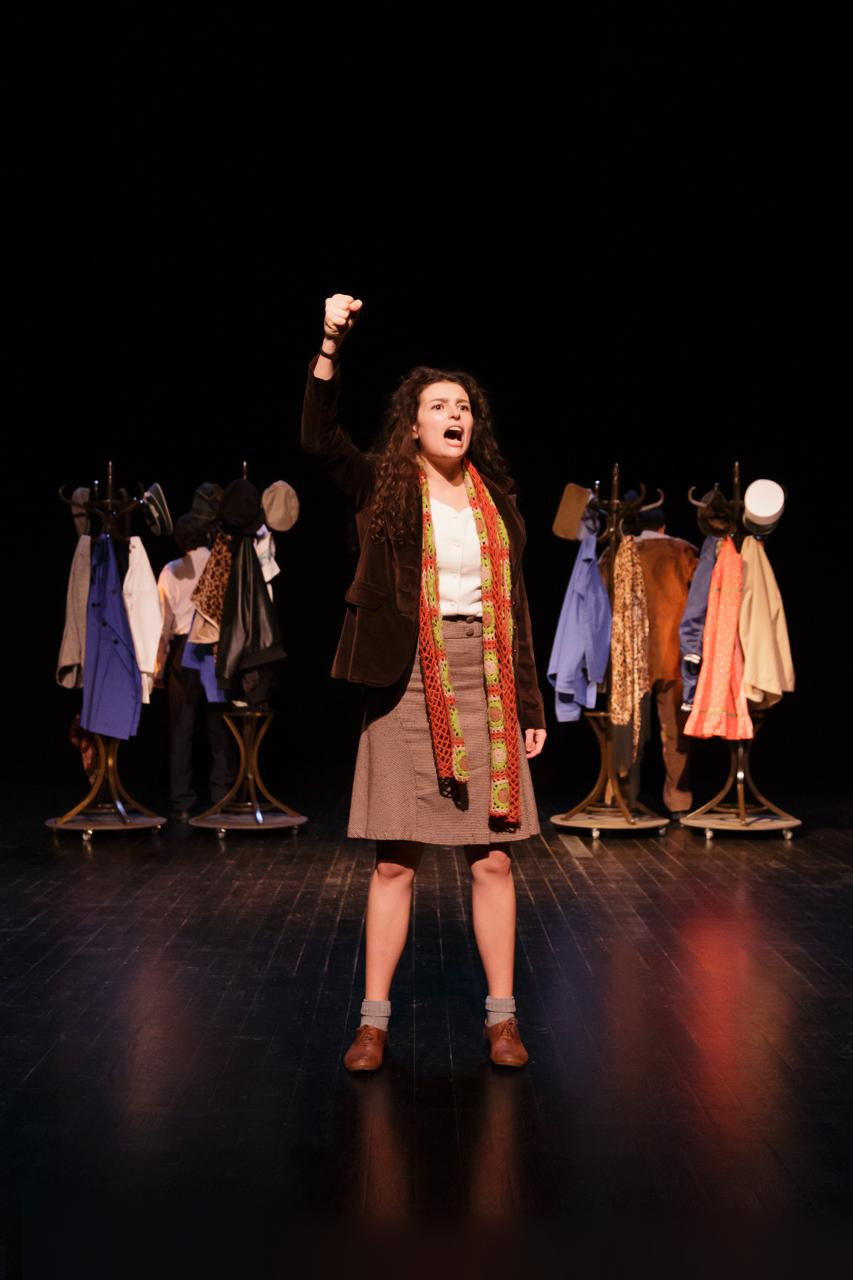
[738, 806]
[605, 808]
[249, 805]
[108, 805]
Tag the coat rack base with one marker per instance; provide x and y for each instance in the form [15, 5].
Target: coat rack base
[747, 812]
[92, 820]
[108, 806]
[754, 824]
[249, 805]
[605, 808]
[270, 820]
[608, 818]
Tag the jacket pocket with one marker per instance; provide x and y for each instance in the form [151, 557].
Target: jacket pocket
[365, 595]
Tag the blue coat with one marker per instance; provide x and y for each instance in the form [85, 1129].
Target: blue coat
[581, 649]
[112, 687]
[692, 626]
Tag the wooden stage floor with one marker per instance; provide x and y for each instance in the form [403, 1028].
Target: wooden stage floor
[174, 1013]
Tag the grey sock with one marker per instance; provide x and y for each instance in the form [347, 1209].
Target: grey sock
[375, 1013]
[498, 1009]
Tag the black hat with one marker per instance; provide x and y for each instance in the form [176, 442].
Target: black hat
[241, 507]
[654, 518]
[714, 515]
[206, 502]
[191, 533]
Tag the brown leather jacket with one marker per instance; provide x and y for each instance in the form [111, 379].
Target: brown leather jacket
[668, 566]
[380, 633]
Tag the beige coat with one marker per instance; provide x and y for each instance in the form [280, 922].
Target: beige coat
[72, 650]
[768, 668]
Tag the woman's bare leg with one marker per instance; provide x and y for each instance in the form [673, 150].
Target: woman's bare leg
[389, 903]
[493, 913]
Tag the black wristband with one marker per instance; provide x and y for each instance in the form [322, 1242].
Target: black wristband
[333, 356]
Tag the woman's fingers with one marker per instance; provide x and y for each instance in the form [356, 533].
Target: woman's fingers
[343, 300]
[534, 741]
[341, 310]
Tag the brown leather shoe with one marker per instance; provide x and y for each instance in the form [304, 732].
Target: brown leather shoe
[365, 1052]
[506, 1047]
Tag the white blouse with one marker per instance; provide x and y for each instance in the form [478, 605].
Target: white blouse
[457, 550]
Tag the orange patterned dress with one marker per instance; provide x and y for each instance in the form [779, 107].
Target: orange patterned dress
[719, 707]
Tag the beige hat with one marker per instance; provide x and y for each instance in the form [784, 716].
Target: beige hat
[281, 506]
[79, 514]
[570, 511]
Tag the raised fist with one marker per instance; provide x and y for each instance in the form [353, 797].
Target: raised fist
[341, 311]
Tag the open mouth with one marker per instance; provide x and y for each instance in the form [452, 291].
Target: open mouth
[454, 434]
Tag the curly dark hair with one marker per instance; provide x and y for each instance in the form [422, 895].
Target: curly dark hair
[394, 516]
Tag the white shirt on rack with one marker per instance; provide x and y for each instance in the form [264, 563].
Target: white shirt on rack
[144, 613]
[457, 552]
[176, 584]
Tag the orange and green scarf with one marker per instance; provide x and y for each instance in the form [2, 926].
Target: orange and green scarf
[442, 712]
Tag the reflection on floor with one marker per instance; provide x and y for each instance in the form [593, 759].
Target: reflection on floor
[175, 1010]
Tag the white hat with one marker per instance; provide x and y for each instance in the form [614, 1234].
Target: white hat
[763, 504]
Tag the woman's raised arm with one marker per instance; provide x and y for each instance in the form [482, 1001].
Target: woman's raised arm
[322, 435]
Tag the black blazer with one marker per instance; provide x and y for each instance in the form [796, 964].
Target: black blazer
[380, 633]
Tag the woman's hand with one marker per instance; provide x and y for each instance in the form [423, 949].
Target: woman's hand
[534, 741]
[341, 311]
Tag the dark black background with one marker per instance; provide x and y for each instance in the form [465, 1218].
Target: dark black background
[629, 230]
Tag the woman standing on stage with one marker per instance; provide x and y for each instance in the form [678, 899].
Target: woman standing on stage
[437, 630]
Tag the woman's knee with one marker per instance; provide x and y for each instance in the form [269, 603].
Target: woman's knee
[488, 864]
[394, 873]
[397, 860]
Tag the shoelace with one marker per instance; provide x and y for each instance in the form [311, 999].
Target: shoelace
[509, 1031]
[363, 1034]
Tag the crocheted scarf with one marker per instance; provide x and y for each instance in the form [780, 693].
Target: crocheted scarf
[442, 712]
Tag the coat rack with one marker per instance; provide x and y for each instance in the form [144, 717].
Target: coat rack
[605, 807]
[108, 805]
[738, 806]
[249, 804]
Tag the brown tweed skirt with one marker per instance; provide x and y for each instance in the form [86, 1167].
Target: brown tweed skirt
[395, 792]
